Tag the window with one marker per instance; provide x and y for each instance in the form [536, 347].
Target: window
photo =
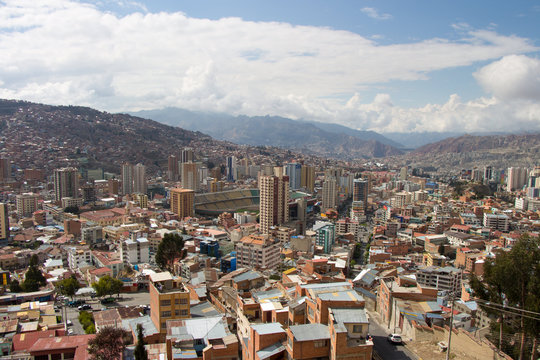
[183, 301]
[165, 314]
[177, 301]
[319, 343]
[290, 342]
[183, 312]
[357, 328]
[165, 302]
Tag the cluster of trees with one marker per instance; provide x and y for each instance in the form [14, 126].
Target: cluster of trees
[33, 279]
[87, 321]
[107, 286]
[68, 287]
[510, 290]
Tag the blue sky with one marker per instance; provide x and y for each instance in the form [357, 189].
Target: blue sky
[377, 65]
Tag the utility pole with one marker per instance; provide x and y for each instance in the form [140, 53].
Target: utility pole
[451, 325]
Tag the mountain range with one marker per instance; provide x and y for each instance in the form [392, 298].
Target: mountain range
[329, 140]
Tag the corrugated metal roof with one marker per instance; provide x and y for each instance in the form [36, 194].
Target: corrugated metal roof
[269, 328]
[350, 316]
[309, 332]
[270, 351]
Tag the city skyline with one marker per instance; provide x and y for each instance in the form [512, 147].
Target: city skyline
[383, 67]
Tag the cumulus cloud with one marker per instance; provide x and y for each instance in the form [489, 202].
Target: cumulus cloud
[67, 52]
[512, 77]
[374, 14]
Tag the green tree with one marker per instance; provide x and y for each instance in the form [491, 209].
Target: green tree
[33, 279]
[68, 287]
[14, 286]
[108, 344]
[170, 248]
[107, 286]
[140, 352]
[72, 210]
[512, 278]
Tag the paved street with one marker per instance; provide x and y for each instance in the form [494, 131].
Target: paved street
[139, 298]
[384, 349]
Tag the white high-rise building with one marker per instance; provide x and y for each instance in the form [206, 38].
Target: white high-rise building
[190, 176]
[516, 179]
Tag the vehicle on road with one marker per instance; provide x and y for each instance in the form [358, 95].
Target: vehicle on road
[85, 307]
[395, 338]
[74, 303]
[108, 300]
[69, 323]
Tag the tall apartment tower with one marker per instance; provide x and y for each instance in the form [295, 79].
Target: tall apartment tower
[329, 193]
[231, 168]
[182, 202]
[139, 179]
[127, 178]
[294, 172]
[4, 222]
[5, 169]
[172, 169]
[187, 155]
[190, 176]
[360, 191]
[517, 178]
[308, 178]
[274, 203]
[66, 183]
[27, 204]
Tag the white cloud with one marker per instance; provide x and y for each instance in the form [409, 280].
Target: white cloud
[512, 77]
[64, 52]
[374, 14]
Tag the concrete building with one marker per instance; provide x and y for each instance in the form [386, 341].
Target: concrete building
[187, 155]
[231, 168]
[441, 278]
[4, 223]
[516, 178]
[79, 256]
[66, 183]
[127, 178]
[294, 172]
[5, 169]
[329, 194]
[326, 235]
[182, 202]
[91, 234]
[169, 300]
[308, 178]
[135, 251]
[139, 179]
[497, 222]
[172, 168]
[274, 200]
[258, 251]
[27, 204]
[190, 176]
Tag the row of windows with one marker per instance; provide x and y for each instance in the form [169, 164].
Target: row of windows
[176, 302]
[182, 312]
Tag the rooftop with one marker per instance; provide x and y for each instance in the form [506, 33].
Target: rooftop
[307, 332]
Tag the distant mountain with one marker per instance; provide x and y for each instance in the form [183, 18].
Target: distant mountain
[467, 151]
[315, 138]
[415, 140]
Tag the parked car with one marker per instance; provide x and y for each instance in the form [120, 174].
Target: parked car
[74, 303]
[85, 307]
[69, 323]
[395, 338]
[107, 300]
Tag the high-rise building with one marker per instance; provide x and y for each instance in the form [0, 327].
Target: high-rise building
[127, 178]
[190, 176]
[360, 191]
[488, 173]
[404, 173]
[187, 155]
[308, 178]
[27, 204]
[113, 186]
[139, 179]
[258, 251]
[4, 222]
[172, 170]
[231, 168]
[274, 200]
[294, 172]
[329, 194]
[5, 169]
[182, 202]
[517, 178]
[66, 183]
